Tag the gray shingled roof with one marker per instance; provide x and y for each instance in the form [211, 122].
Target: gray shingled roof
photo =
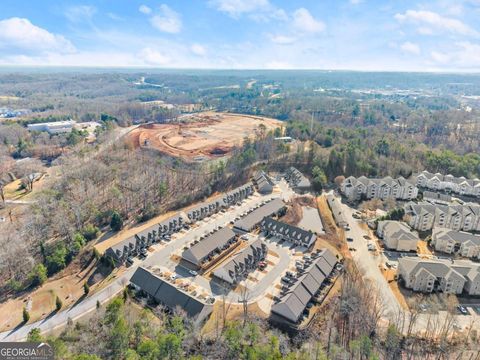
[214, 241]
[169, 295]
[292, 304]
[290, 232]
[226, 271]
[256, 216]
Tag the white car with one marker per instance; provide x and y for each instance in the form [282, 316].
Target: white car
[192, 272]
[173, 277]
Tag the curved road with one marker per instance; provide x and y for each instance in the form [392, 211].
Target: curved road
[160, 257]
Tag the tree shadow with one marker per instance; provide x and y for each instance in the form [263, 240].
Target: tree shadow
[79, 300]
[49, 316]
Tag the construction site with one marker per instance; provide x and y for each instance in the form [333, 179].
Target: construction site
[201, 136]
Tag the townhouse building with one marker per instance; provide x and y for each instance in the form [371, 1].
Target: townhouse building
[424, 216]
[456, 242]
[246, 261]
[287, 232]
[448, 183]
[452, 277]
[397, 235]
[364, 188]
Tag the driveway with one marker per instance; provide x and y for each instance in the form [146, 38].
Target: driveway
[160, 257]
[369, 264]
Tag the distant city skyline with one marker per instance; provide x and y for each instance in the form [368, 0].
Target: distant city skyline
[366, 35]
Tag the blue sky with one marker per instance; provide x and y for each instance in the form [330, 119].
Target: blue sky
[442, 35]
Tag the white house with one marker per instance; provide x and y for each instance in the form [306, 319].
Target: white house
[449, 183]
[456, 242]
[397, 235]
[355, 189]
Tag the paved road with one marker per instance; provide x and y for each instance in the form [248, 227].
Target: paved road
[366, 261]
[160, 257]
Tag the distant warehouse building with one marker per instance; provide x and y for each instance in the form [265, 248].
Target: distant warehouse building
[170, 296]
[57, 127]
[290, 308]
[205, 250]
[252, 220]
[241, 264]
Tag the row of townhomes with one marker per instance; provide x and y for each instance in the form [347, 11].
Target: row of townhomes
[397, 235]
[291, 306]
[425, 216]
[133, 245]
[230, 198]
[290, 233]
[263, 182]
[456, 242]
[297, 180]
[253, 220]
[246, 261]
[336, 209]
[364, 188]
[453, 277]
[448, 183]
[168, 294]
[205, 250]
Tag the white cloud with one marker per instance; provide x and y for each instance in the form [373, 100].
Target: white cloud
[144, 9]
[153, 57]
[462, 55]
[235, 8]
[80, 13]
[305, 22]
[167, 20]
[429, 20]
[198, 49]
[21, 34]
[282, 39]
[410, 48]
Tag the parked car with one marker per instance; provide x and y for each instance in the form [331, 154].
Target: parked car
[192, 272]
[129, 261]
[462, 309]
[173, 277]
[349, 239]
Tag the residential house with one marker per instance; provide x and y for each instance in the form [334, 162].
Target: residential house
[397, 235]
[337, 212]
[428, 275]
[456, 242]
[424, 216]
[291, 306]
[297, 180]
[170, 295]
[364, 188]
[263, 182]
[132, 246]
[246, 261]
[253, 219]
[290, 233]
[208, 248]
[448, 183]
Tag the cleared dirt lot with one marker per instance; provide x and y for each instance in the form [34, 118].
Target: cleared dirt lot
[201, 136]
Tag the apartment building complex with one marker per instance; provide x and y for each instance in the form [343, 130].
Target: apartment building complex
[364, 188]
[456, 242]
[424, 216]
[453, 277]
[448, 183]
[397, 235]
